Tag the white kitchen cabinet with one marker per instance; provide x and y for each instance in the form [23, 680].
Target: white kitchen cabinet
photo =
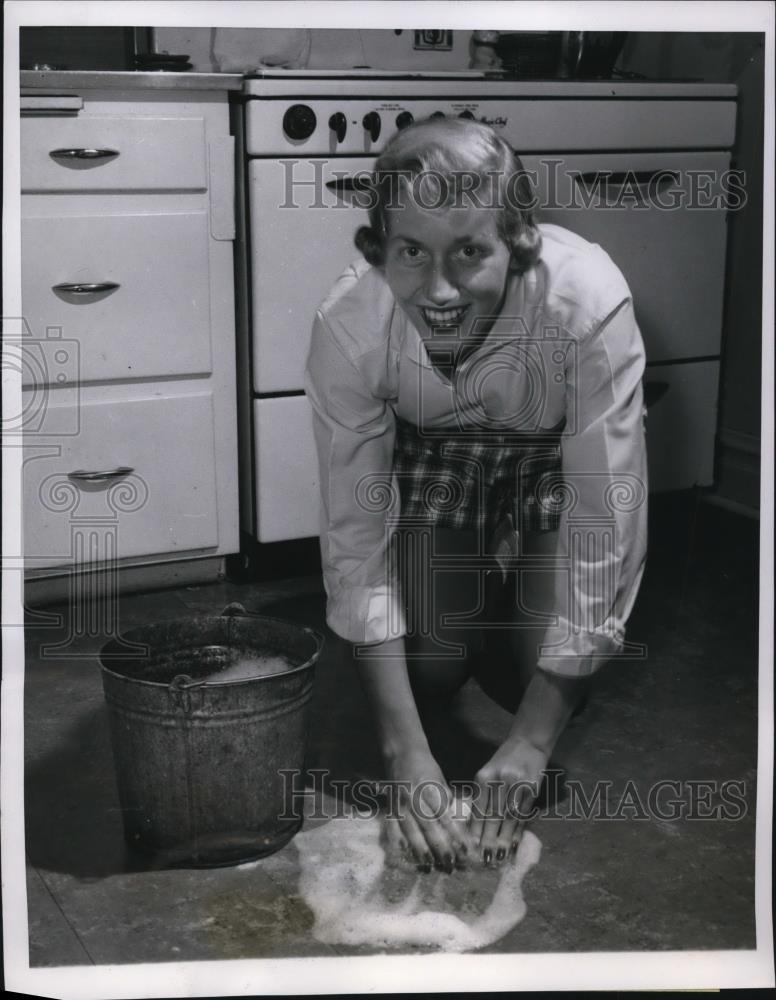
[151, 323]
[128, 298]
[125, 464]
[141, 152]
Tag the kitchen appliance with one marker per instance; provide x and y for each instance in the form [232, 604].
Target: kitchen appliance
[636, 167]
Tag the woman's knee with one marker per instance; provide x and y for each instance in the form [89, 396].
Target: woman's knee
[443, 604]
[439, 666]
[437, 680]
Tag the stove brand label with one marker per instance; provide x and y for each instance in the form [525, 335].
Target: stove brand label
[498, 122]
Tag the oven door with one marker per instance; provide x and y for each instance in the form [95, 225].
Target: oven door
[661, 218]
[304, 214]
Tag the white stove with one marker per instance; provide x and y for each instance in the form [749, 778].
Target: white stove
[306, 136]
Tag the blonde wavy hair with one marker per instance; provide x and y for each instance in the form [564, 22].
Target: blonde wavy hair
[453, 161]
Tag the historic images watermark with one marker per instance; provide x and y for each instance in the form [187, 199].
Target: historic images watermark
[667, 800]
[73, 514]
[549, 186]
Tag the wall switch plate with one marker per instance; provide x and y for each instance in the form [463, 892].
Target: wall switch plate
[442, 41]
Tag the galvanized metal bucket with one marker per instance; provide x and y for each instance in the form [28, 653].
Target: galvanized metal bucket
[200, 761]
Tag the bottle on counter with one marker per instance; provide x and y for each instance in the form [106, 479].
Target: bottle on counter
[482, 50]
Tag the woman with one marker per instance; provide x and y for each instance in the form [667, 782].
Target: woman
[476, 388]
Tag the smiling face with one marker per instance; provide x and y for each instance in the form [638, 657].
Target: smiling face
[448, 270]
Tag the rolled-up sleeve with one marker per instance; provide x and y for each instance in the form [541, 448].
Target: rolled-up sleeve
[603, 531]
[354, 437]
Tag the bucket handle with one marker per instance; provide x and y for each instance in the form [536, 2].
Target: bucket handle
[180, 690]
[235, 609]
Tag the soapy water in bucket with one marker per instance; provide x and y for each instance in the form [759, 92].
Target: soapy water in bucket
[246, 665]
[215, 664]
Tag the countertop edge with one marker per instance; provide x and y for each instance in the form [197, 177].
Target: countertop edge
[108, 80]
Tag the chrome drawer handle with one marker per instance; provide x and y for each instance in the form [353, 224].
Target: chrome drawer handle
[86, 288]
[82, 154]
[100, 477]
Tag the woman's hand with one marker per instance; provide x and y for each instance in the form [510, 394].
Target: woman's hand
[423, 806]
[510, 781]
[508, 785]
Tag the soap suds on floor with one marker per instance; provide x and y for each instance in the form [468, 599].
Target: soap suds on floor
[358, 899]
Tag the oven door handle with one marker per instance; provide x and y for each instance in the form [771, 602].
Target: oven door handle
[351, 185]
[652, 180]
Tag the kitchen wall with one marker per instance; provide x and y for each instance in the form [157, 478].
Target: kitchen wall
[335, 48]
[739, 59]
[77, 47]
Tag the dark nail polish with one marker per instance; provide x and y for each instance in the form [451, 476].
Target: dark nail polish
[513, 850]
[460, 864]
[487, 855]
[423, 867]
[464, 849]
[500, 854]
[448, 866]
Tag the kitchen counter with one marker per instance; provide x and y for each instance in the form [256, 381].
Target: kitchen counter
[58, 80]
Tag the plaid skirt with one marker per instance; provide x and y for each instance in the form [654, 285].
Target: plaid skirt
[474, 479]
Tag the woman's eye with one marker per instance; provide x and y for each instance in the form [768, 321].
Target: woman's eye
[411, 254]
[470, 253]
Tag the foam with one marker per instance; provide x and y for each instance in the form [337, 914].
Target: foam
[358, 899]
[250, 666]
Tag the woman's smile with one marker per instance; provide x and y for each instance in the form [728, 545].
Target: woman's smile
[444, 317]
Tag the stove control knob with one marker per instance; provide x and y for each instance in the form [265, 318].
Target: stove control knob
[438, 114]
[466, 114]
[338, 123]
[403, 119]
[372, 125]
[299, 122]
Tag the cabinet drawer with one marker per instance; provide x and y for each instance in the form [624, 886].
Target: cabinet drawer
[151, 154]
[166, 504]
[156, 323]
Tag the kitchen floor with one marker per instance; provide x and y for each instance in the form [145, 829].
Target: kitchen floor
[686, 714]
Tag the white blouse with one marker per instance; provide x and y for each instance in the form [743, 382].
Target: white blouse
[565, 347]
